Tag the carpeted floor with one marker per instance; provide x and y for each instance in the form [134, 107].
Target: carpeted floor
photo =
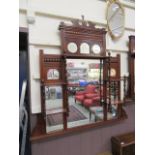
[74, 115]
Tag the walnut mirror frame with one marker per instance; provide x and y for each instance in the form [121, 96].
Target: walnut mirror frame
[79, 34]
[131, 64]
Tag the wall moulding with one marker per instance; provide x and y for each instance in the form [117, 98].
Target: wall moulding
[66, 18]
[103, 24]
[39, 13]
[45, 45]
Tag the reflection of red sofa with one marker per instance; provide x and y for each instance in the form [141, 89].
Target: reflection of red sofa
[86, 96]
[89, 91]
[93, 100]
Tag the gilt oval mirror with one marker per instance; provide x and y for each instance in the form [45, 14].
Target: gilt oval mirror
[115, 19]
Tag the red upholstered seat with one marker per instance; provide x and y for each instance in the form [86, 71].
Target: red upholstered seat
[80, 98]
[90, 95]
[96, 98]
[90, 89]
[81, 95]
[89, 103]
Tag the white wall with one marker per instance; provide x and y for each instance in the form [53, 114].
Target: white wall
[45, 17]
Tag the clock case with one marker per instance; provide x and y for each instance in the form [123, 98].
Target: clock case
[131, 61]
[79, 33]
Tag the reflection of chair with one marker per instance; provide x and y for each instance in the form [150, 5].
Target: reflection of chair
[92, 99]
[90, 91]
[89, 103]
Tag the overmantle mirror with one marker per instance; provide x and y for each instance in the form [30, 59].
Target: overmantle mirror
[77, 89]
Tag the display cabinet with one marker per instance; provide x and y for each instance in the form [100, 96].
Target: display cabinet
[74, 75]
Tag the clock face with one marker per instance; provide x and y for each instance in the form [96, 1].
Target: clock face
[72, 47]
[96, 49]
[115, 19]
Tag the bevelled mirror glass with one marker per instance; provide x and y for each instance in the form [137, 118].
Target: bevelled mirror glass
[96, 49]
[54, 108]
[72, 47]
[84, 48]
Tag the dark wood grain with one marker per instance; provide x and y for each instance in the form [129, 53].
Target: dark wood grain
[77, 33]
[123, 144]
[131, 64]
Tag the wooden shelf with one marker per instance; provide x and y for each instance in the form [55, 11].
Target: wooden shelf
[39, 132]
[88, 56]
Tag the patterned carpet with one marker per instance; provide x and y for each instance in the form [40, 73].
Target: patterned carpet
[74, 115]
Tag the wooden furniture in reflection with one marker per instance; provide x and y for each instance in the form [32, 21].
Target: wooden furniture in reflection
[123, 144]
[131, 64]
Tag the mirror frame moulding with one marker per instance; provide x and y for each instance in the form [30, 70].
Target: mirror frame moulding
[39, 131]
